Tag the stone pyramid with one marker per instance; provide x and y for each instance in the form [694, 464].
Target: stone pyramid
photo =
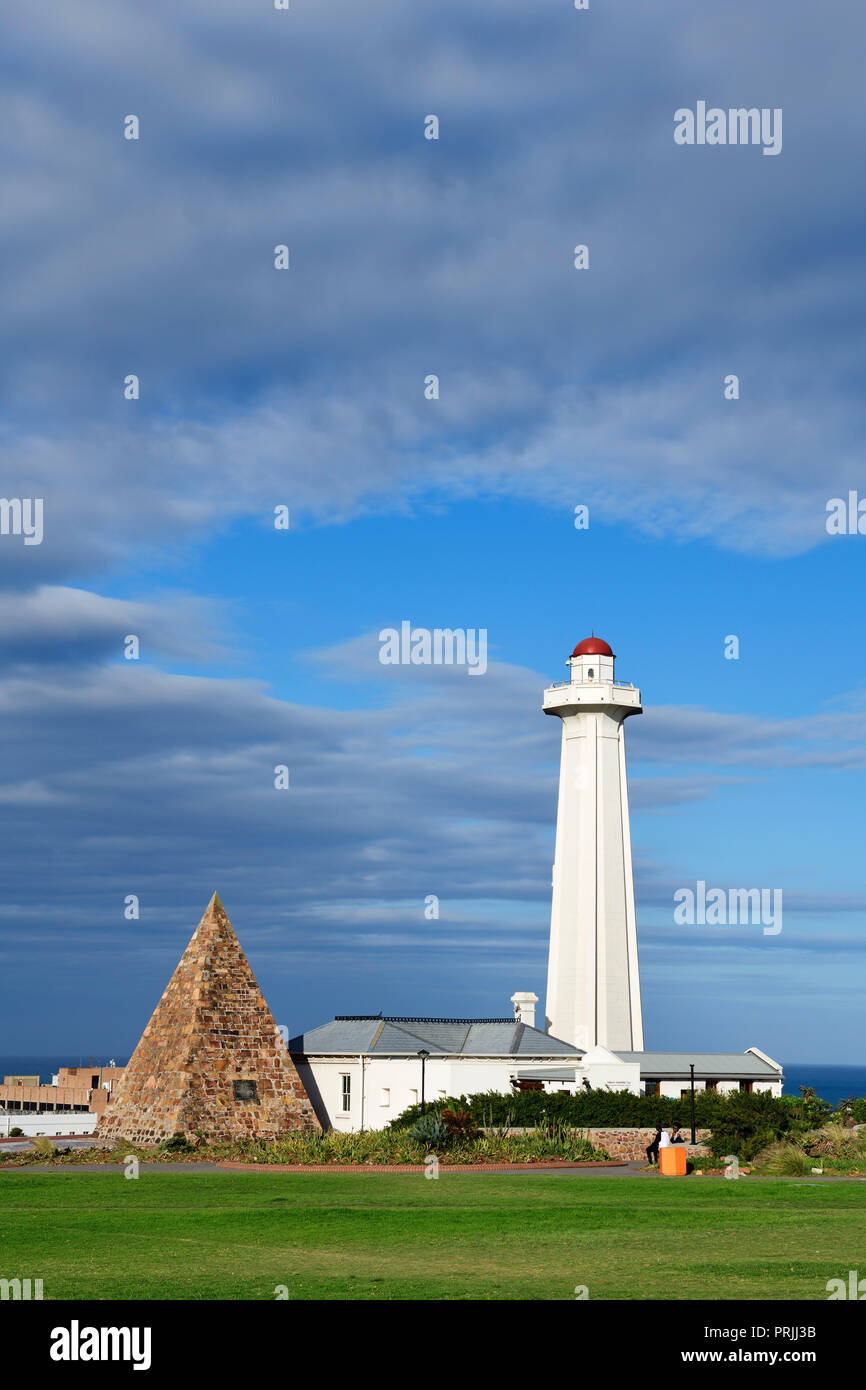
[210, 1059]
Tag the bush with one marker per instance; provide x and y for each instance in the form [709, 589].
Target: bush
[741, 1123]
[370, 1148]
[16, 1132]
[784, 1160]
[834, 1147]
[429, 1130]
[459, 1124]
[852, 1110]
[830, 1140]
[744, 1124]
[177, 1144]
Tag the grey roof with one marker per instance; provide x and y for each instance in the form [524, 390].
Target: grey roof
[534, 1043]
[709, 1066]
[548, 1074]
[399, 1037]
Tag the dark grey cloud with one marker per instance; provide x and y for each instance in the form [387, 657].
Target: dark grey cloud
[834, 737]
[57, 625]
[125, 778]
[408, 257]
[411, 256]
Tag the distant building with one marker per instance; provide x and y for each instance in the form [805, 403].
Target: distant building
[70, 1105]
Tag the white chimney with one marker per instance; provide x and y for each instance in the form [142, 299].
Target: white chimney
[524, 1008]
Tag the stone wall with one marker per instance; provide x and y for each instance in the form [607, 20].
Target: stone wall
[632, 1143]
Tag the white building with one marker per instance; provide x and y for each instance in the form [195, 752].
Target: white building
[362, 1072]
[52, 1124]
[667, 1073]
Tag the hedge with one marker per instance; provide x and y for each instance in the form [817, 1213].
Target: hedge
[741, 1123]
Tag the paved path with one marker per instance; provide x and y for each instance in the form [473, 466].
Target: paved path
[600, 1169]
[625, 1170]
[113, 1169]
[110, 1170]
[60, 1142]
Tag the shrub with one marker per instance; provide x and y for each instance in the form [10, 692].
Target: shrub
[835, 1147]
[459, 1124]
[852, 1110]
[493, 1128]
[815, 1111]
[741, 1123]
[430, 1130]
[177, 1144]
[830, 1140]
[784, 1159]
[16, 1132]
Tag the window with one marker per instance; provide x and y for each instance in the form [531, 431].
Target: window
[386, 1096]
[346, 1092]
[653, 1088]
[590, 674]
[710, 1085]
[746, 1086]
[94, 1081]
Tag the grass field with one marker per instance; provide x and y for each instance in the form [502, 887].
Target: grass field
[330, 1236]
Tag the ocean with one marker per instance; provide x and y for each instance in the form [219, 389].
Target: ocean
[830, 1082]
[46, 1067]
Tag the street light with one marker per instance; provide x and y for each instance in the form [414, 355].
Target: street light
[692, 1070]
[423, 1054]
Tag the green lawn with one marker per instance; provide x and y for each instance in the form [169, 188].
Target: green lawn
[237, 1236]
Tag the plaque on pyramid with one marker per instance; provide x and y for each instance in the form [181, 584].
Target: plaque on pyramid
[211, 1060]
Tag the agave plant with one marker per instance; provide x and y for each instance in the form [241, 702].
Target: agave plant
[431, 1131]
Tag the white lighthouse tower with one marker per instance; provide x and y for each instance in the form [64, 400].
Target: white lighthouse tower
[593, 989]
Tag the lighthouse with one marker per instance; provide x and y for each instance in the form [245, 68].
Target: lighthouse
[593, 989]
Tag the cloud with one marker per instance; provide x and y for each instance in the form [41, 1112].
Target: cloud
[159, 784]
[57, 624]
[413, 256]
[408, 257]
[832, 738]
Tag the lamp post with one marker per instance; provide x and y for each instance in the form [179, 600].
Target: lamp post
[692, 1070]
[423, 1054]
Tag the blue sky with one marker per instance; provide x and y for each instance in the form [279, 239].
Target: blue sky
[305, 388]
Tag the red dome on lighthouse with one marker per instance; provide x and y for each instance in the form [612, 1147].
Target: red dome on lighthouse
[592, 646]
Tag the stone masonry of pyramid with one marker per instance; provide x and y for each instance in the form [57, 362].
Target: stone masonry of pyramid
[210, 1060]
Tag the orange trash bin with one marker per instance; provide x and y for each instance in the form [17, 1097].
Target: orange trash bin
[672, 1161]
